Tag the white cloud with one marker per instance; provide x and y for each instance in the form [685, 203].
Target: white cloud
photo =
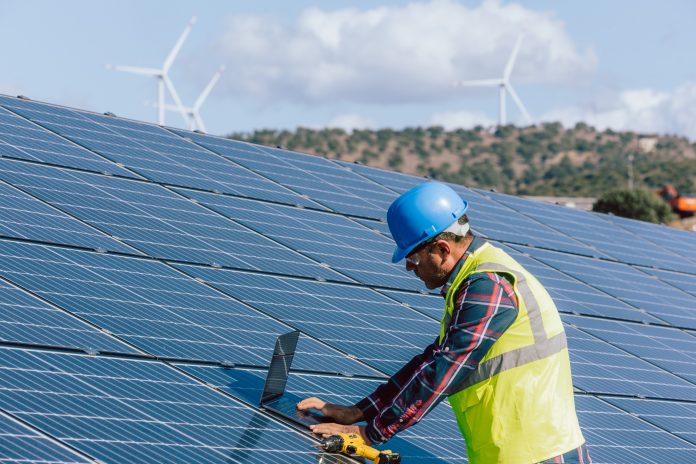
[461, 119]
[395, 54]
[643, 110]
[348, 122]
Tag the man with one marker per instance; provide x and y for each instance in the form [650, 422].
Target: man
[501, 356]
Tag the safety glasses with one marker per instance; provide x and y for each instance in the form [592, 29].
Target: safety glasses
[413, 257]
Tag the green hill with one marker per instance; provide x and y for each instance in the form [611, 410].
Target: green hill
[535, 160]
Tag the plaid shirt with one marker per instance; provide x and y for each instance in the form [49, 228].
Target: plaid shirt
[485, 306]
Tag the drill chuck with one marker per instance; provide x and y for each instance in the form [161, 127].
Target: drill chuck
[332, 444]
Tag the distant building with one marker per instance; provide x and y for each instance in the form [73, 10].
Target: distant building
[647, 144]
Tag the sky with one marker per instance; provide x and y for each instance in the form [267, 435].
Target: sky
[625, 65]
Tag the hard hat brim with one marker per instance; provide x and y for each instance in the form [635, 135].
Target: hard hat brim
[400, 253]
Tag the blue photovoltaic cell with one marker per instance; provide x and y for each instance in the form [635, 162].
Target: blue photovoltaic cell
[595, 231]
[20, 138]
[157, 308]
[154, 152]
[379, 226]
[356, 320]
[680, 242]
[19, 444]
[671, 349]
[574, 296]
[22, 216]
[428, 304]
[26, 319]
[396, 181]
[676, 418]
[503, 224]
[615, 437]
[435, 440]
[599, 367]
[685, 282]
[628, 284]
[140, 412]
[319, 179]
[158, 221]
[344, 245]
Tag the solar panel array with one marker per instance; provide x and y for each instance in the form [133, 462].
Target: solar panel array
[145, 273]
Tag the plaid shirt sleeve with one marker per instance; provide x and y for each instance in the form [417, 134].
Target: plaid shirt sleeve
[485, 307]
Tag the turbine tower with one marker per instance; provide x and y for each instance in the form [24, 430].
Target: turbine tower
[504, 86]
[194, 120]
[162, 76]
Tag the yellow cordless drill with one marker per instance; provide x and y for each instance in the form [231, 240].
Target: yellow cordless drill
[352, 443]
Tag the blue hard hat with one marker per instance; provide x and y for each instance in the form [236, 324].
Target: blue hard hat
[420, 214]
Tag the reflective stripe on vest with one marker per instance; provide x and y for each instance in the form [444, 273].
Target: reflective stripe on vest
[543, 345]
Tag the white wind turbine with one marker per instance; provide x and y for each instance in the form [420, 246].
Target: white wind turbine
[195, 122]
[504, 85]
[162, 76]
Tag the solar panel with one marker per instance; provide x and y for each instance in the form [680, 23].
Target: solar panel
[19, 443]
[157, 221]
[356, 320]
[396, 181]
[488, 217]
[337, 241]
[154, 152]
[680, 242]
[504, 224]
[22, 216]
[122, 411]
[597, 232]
[671, 349]
[574, 296]
[676, 418]
[200, 251]
[319, 179]
[644, 292]
[428, 304]
[378, 226]
[617, 438]
[434, 440]
[601, 368]
[684, 282]
[28, 320]
[22, 139]
[156, 308]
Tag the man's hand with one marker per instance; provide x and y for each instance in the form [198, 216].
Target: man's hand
[326, 430]
[341, 414]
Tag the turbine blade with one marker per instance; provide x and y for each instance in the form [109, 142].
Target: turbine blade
[169, 107]
[479, 83]
[175, 51]
[519, 103]
[208, 88]
[513, 57]
[134, 70]
[199, 122]
[175, 97]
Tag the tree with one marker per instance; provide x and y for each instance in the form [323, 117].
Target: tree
[643, 205]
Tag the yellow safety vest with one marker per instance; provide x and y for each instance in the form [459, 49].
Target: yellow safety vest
[517, 406]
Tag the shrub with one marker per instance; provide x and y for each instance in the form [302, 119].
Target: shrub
[643, 205]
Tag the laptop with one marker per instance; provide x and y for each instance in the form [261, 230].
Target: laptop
[274, 398]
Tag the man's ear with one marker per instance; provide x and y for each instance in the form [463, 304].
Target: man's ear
[443, 248]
